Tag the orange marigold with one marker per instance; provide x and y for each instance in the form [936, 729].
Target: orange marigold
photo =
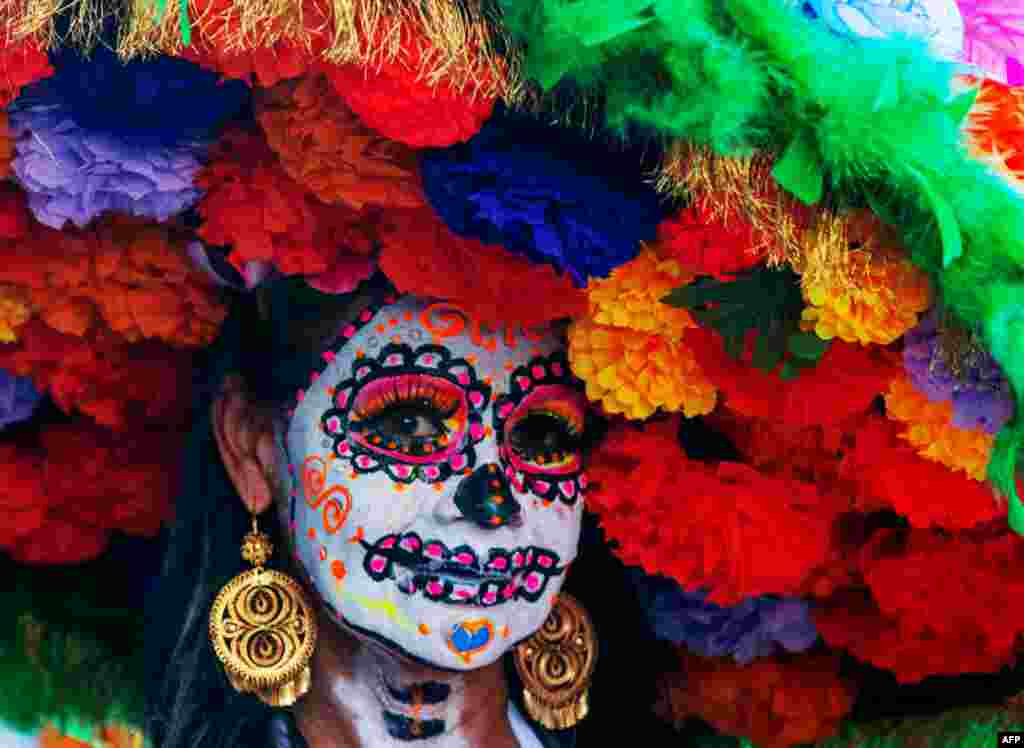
[629, 349]
[123, 274]
[15, 311]
[636, 373]
[878, 295]
[994, 128]
[327, 149]
[929, 428]
[776, 703]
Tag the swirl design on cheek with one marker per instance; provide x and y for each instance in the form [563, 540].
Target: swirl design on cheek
[539, 426]
[414, 413]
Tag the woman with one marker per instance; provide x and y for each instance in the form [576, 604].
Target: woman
[427, 476]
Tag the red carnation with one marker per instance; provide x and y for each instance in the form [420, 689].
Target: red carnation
[121, 386]
[252, 205]
[421, 256]
[396, 100]
[842, 385]
[707, 245]
[775, 703]
[889, 473]
[940, 604]
[84, 482]
[21, 63]
[718, 527]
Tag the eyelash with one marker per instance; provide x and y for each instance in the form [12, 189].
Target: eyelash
[436, 405]
[570, 435]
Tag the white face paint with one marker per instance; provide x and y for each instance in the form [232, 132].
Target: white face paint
[436, 481]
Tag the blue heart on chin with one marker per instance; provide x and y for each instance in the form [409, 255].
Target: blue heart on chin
[464, 639]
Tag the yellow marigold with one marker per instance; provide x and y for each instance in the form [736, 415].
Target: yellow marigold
[883, 299]
[14, 312]
[930, 429]
[129, 276]
[635, 373]
[631, 296]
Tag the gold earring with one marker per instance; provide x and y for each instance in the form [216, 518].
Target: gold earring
[556, 665]
[263, 629]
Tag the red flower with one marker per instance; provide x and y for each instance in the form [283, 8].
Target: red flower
[889, 473]
[421, 256]
[393, 98]
[83, 483]
[120, 386]
[776, 702]
[717, 527]
[21, 63]
[939, 604]
[709, 246]
[842, 385]
[263, 214]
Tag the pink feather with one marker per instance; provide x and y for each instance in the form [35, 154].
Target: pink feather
[994, 38]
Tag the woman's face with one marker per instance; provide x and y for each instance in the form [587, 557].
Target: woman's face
[435, 481]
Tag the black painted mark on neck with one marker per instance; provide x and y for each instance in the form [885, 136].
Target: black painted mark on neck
[427, 693]
[401, 727]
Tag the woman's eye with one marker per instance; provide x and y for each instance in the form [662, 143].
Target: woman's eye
[544, 439]
[408, 421]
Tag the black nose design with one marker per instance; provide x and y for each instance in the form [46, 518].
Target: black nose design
[484, 497]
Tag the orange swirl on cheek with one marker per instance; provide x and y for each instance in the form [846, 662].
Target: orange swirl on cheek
[455, 318]
[336, 512]
[314, 477]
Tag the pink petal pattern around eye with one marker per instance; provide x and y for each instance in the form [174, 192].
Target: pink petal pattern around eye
[994, 38]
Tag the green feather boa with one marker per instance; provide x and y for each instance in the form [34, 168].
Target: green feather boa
[67, 658]
[874, 120]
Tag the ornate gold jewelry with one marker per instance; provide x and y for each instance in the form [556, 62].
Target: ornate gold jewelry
[556, 665]
[263, 629]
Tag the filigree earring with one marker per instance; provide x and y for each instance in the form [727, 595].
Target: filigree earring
[556, 665]
[263, 629]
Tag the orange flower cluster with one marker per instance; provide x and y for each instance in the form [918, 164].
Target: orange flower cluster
[940, 604]
[928, 426]
[775, 703]
[108, 736]
[324, 147]
[994, 128]
[883, 298]
[252, 205]
[121, 386]
[394, 98]
[629, 350]
[421, 256]
[63, 498]
[843, 383]
[21, 63]
[124, 275]
[717, 527]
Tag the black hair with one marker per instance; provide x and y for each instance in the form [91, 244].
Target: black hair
[189, 701]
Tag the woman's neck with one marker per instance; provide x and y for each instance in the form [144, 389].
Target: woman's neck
[363, 696]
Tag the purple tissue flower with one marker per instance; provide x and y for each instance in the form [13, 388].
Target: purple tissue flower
[73, 174]
[18, 399]
[757, 627]
[981, 395]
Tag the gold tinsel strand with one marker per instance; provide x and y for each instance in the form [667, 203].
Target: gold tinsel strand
[35, 18]
[463, 37]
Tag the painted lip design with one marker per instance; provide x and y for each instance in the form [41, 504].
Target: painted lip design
[458, 576]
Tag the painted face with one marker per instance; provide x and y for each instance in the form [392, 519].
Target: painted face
[436, 481]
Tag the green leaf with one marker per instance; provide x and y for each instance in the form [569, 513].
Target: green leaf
[807, 345]
[766, 356]
[949, 228]
[789, 372]
[799, 170]
[961, 106]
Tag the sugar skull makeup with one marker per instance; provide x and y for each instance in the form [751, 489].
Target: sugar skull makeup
[436, 481]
